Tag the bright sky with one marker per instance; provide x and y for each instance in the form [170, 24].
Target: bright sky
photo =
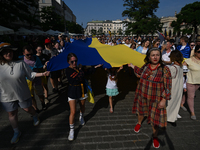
[88, 10]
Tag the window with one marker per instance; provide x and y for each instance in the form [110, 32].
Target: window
[43, 1]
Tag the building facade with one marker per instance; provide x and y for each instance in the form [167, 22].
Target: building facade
[60, 8]
[114, 26]
[167, 21]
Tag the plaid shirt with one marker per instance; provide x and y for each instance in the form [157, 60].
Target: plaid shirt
[154, 85]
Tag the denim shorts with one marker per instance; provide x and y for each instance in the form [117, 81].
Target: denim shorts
[12, 106]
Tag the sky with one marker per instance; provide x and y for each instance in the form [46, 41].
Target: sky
[88, 10]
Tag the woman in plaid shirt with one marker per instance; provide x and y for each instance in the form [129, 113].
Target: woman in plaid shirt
[153, 90]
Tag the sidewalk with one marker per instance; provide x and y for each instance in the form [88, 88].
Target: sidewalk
[103, 130]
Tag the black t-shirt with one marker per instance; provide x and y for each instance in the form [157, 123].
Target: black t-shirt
[44, 58]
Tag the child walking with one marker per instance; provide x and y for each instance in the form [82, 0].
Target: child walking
[111, 86]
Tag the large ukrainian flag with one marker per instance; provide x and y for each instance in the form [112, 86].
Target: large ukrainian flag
[91, 52]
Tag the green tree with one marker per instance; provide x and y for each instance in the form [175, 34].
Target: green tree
[73, 27]
[189, 17]
[119, 31]
[93, 31]
[142, 11]
[153, 25]
[19, 10]
[100, 31]
[51, 20]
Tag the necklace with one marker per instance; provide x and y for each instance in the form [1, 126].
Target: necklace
[11, 64]
[154, 68]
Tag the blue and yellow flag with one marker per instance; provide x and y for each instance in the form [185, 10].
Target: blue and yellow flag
[91, 52]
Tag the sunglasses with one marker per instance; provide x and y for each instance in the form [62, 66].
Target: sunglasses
[29, 54]
[198, 52]
[73, 61]
[192, 45]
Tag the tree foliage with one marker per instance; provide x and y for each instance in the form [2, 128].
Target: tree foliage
[189, 17]
[72, 27]
[100, 31]
[142, 11]
[119, 31]
[18, 10]
[94, 32]
[51, 20]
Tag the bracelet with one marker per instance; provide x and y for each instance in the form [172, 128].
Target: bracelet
[43, 74]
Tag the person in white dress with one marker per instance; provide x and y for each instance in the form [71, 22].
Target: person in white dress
[176, 69]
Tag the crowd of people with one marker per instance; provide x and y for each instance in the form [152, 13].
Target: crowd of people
[169, 76]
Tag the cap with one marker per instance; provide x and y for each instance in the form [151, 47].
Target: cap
[47, 41]
[6, 46]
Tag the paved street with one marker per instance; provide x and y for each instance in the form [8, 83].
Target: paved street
[103, 131]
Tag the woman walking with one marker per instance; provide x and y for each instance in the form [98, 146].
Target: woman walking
[77, 90]
[14, 91]
[176, 70]
[193, 78]
[153, 90]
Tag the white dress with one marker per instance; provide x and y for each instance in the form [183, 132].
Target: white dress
[173, 105]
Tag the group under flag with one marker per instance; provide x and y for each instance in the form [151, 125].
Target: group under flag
[91, 52]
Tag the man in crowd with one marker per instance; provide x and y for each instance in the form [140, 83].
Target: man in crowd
[166, 53]
[36, 85]
[44, 59]
[54, 75]
[192, 46]
[184, 47]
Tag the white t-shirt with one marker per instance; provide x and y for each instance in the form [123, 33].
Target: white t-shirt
[13, 84]
[165, 57]
[128, 45]
[144, 51]
[111, 84]
[182, 47]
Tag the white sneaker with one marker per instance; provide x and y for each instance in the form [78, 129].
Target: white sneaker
[71, 135]
[82, 121]
[178, 116]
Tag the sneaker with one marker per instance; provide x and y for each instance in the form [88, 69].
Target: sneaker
[182, 107]
[156, 143]
[178, 116]
[82, 121]
[137, 128]
[44, 107]
[193, 117]
[15, 137]
[36, 120]
[71, 135]
[46, 101]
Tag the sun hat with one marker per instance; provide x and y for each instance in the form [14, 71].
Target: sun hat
[6, 46]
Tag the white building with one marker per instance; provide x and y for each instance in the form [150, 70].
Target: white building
[107, 25]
